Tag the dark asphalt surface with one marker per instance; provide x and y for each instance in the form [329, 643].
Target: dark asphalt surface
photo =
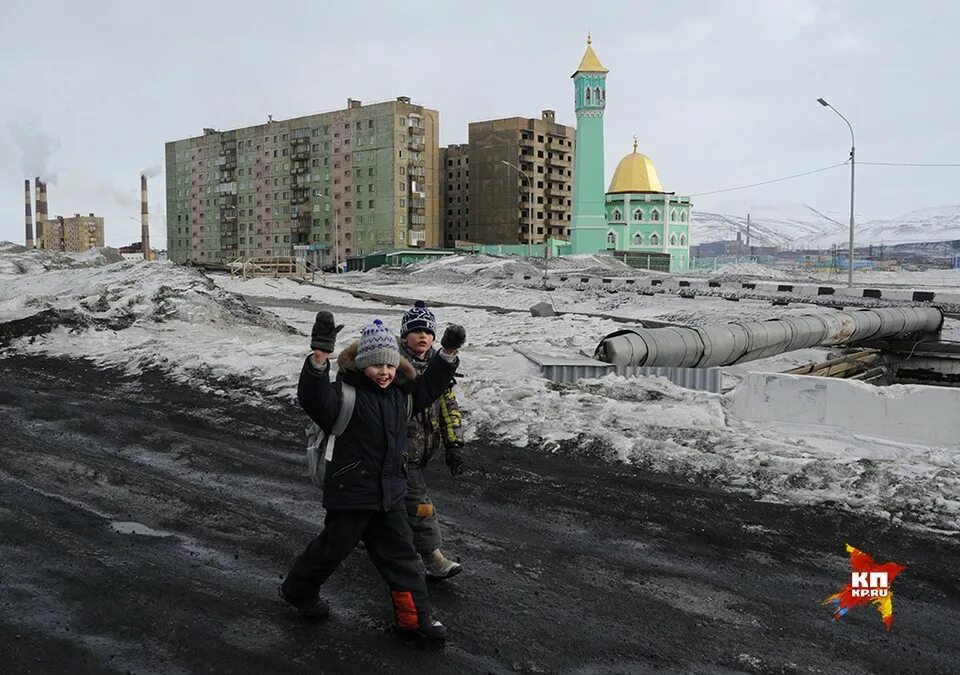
[573, 563]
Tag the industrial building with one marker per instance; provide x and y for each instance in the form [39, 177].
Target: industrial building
[333, 185]
[488, 201]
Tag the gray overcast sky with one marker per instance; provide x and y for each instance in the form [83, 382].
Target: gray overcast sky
[719, 93]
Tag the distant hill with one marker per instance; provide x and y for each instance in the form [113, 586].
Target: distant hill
[802, 226]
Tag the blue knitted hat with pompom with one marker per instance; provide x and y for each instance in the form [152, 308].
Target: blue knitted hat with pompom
[377, 345]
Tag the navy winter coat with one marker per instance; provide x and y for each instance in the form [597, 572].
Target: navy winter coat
[368, 470]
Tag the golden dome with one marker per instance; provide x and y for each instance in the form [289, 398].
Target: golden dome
[635, 173]
[590, 63]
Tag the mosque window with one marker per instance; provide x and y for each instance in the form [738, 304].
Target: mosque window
[683, 240]
[638, 239]
[596, 94]
[673, 215]
[673, 240]
[617, 216]
[683, 216]
[611, 239]
[588, 94]
[654, 239]
[638, 214]
[654, 215]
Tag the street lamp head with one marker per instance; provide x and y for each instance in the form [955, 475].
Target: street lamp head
[822, 102]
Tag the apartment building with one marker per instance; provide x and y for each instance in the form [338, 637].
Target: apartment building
[73, 234]
[344, 183]
[487, 201]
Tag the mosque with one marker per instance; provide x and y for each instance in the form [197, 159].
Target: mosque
[635, 215]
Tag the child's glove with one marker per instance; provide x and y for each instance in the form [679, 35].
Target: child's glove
[324, 334]
[455, 458]
[453, 337]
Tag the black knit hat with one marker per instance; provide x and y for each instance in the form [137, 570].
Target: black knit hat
[418, 317]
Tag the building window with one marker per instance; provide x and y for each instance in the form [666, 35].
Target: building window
[611, 240]
[673, 215]
[617, 216]
[655, 215]
[673, 240]
[638, 215]
[638, 239]
[683, 216]
[654, 239]
[683, 240]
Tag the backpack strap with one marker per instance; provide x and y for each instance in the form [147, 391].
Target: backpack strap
[348, 401]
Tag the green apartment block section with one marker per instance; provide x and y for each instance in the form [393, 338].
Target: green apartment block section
[259, 191]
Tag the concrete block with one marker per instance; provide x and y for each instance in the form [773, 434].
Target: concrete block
[908, 413]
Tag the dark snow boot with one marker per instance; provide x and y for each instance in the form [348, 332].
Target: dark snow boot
[312, 610]
[433, 631]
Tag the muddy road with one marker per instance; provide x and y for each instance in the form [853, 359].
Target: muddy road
[144, 526]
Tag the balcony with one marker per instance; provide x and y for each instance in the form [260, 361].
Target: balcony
[552, 191]
[227, 177]
[556, 161]
[228, 147]
[416, 131]
[417, 143]
[556, 208]
[227, 201]
[416, 172]
[300, 140]
[300, 155]
[227, 163]
[299, 199]
[418, 203]
[228, 216]
[296, 169]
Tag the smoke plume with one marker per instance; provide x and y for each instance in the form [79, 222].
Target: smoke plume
[36, 149]
[151, 171]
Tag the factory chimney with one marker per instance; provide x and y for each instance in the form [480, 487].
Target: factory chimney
[144, 218]
[41, 198]
[28, 212]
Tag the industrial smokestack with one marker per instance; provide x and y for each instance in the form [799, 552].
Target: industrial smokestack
[144, 218]
[28, 212]
[41, 190]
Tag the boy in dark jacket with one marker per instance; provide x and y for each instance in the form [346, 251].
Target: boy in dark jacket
[365, 484]
[439, 424]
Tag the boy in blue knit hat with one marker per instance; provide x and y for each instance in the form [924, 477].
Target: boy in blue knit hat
[364, 483]
[437, 425]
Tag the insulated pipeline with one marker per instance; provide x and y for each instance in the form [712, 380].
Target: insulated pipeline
[727, 344]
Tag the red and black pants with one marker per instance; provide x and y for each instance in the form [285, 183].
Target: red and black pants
[389, 542]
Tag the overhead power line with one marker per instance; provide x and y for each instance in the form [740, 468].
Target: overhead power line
[774, 180]
[905, 164]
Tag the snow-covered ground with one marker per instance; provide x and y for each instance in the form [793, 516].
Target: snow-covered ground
[198, 329]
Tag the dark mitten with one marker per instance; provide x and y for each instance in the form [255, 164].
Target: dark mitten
[453, 337]
[455, 458]
[324, 334]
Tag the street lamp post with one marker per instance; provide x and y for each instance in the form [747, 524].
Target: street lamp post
[852, 167]
[529, 207]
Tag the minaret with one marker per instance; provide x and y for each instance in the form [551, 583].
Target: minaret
[589, 225]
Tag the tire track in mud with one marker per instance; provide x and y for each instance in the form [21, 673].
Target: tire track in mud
[572, 562]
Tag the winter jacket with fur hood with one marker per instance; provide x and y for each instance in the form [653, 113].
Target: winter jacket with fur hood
[368, 470]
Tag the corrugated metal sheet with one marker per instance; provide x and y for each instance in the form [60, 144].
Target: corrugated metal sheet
[566, 369]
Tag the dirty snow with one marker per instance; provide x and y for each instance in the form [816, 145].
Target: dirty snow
[137, 315]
